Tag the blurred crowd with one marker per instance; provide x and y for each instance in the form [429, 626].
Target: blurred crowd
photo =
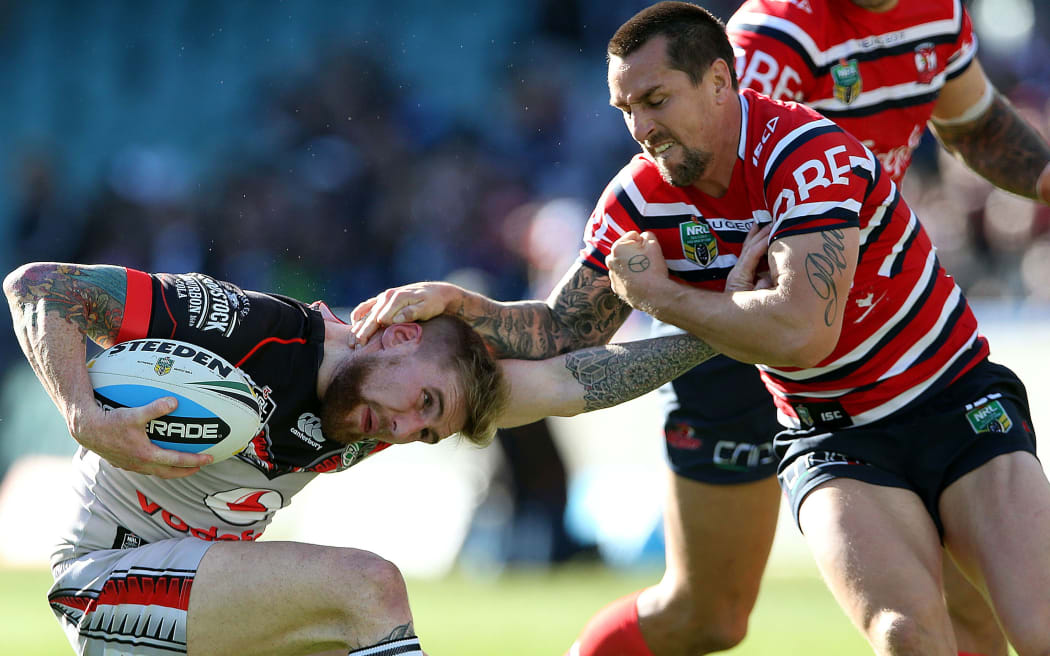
[341, 176]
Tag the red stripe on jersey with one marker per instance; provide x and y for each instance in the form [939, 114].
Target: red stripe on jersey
[138, 305]
[268, 340]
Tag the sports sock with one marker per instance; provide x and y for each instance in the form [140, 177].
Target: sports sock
[613, 631]
[400, 647]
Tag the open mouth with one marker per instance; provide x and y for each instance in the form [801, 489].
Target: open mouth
[368, 421]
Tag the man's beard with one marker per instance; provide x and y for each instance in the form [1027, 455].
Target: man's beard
[692, 167]
[343, 396]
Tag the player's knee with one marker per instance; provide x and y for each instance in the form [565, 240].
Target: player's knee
[896, 633]
[371, 589]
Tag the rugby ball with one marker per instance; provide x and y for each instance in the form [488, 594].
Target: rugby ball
[219, 411]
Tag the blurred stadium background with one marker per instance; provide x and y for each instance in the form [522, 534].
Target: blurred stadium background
[327, 150]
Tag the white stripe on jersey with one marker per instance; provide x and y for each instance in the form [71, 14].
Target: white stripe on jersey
[742, 143]
[791, 137]
[878, 215]
[898, 402]
[606, 227]
[963, 58]
[863, 349]
[646, 208]
[850, 47]
[816, 209]
[882, 94]
[898, 249]
[908, 358]
[904, 398]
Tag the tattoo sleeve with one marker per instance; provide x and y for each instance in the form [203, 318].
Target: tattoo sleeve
[91, 298]
[620, 372]
[584, 312]
[1000, 146]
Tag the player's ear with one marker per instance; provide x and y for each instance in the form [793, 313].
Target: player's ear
[402, 333]
[721, 80]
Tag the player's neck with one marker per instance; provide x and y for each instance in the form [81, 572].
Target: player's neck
[876, 6]
[715, 182]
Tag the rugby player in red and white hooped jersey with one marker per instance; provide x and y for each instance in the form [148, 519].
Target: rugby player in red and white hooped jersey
[714, 560]
[901, 434]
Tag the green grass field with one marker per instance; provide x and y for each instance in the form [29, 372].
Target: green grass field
[518, 614]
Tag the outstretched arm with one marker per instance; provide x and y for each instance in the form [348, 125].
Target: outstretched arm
[582, 311]
[54, 307]
[979, 126]
[597, 377]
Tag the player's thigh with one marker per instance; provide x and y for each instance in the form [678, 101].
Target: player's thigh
[880, 554]
[997, 521]
[289, 597]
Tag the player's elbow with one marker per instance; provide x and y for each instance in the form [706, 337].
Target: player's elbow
[13, 287]
[805, 347]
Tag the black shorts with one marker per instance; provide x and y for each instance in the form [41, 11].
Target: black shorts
[925, 449]
[719, 424]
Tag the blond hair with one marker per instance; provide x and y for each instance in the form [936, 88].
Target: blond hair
[485, 391]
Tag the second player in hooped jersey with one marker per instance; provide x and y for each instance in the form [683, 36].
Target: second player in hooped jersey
[852, 64]
[911, 331]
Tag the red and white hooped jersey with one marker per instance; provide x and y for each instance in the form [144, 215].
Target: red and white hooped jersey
[877, 75]
[907, 329]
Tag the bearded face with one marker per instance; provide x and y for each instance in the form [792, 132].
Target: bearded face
[689, 167]
[344, 396]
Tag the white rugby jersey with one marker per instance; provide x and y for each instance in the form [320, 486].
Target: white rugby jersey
[278, 342]
[907, 329]
[877, 75]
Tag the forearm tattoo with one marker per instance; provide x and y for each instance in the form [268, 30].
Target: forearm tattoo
[1000, 146]
[821, 268]
[90, 297]
[620, 372]
[586, 312]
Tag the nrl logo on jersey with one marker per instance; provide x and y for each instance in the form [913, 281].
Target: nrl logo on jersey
[698, 242]
[846, 75]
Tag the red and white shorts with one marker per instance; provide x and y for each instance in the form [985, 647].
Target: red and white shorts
[128, 601]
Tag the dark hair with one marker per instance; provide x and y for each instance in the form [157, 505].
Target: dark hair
[485, 391]
[695, 38]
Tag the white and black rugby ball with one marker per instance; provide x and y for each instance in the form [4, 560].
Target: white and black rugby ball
[219, 411]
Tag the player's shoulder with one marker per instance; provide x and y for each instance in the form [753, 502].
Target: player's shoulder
[765, 16]
[787, 136]
[769, 122]
[639, 183]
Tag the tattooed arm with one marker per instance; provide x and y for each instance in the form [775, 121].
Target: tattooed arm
[581, 311]
[597, 377]
[796, 322]
[53, 308]
[980, 127]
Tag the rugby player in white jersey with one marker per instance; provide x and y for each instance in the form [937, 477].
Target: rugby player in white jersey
[160, 556]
